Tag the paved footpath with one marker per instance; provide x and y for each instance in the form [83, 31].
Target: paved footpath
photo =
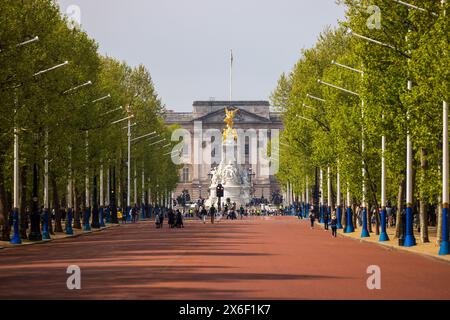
[256, 258]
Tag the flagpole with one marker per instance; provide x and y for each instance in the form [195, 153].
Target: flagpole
[231, 75]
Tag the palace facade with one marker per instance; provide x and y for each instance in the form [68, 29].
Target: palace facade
[256, 115]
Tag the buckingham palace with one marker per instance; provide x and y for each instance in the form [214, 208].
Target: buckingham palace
[257, 116]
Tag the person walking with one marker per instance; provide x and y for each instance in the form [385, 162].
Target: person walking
[212, 213]
[203, 214]
[171, 218]
[134, 213]
[179, 219]
[161, 219]
[241, 211]
[157, 221]
[311, 219]
[325, 218]
[333, 224]
[119, 214]
[124, 216]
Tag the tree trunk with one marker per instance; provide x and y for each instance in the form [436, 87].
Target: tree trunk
[23, 203]
[56, 207]
[4, 215]
[369, 217]
[399, 207]
[423, 214]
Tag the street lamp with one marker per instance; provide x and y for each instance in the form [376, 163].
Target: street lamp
[445, 245]
[364, 231]
[68, 228]
[383, 234]
[87, 215]
[409, 240]
[411, 6]
[88, 83]
[315, 98]
[16, 236]
[111, 111]
[159, 141]
[144, 136]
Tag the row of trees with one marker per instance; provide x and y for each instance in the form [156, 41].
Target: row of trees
[413, 45]
[66, 118]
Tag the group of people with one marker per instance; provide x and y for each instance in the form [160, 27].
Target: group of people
[133, 214]
[332, 222]
[174, 219]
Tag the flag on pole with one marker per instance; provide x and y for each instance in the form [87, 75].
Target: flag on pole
[231, 57]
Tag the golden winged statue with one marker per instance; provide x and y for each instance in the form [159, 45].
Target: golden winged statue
[229, 120]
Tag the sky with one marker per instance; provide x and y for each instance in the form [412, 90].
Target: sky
[185, 44]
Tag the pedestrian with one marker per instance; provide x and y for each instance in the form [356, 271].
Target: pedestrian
[241, 211]
[333, 224]
[325, 218]
[171, 218]
[157, 221]
[311, 219]
[134, 213]
[203, 214]
[124, 216]
[212, 213]
[179, 219]
[161, 219]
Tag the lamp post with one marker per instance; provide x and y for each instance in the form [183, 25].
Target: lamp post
[101, 199]
[16, 239]
[16, 234]
[128, 163]
[321, 197]
[349, 228]
[383, 235]
[68, 228]
[364, 231]
[35, 39]
[307, 198]
[444, 247]
[144, 205]
[409, 236]
[87, 213]
[338, 199]
[329, 202]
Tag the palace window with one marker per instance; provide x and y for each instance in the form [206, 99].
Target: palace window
[185, 174]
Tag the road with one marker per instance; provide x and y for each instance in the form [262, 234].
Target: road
[256, 258]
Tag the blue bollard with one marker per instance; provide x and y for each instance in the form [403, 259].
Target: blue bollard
[383, 234]
[364, 231]
[16, 234]
[45, 233]
[349, 222]
[143, 214]
[69, 229]
[409, 236]
[87, 217]
[339, 217]
[445, 245]
[108, 215]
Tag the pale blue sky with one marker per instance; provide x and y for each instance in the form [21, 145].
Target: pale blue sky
[186, 43]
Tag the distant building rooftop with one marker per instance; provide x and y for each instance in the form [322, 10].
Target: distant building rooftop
[230, 103]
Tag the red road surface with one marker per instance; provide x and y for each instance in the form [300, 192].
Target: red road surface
[259, 258]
